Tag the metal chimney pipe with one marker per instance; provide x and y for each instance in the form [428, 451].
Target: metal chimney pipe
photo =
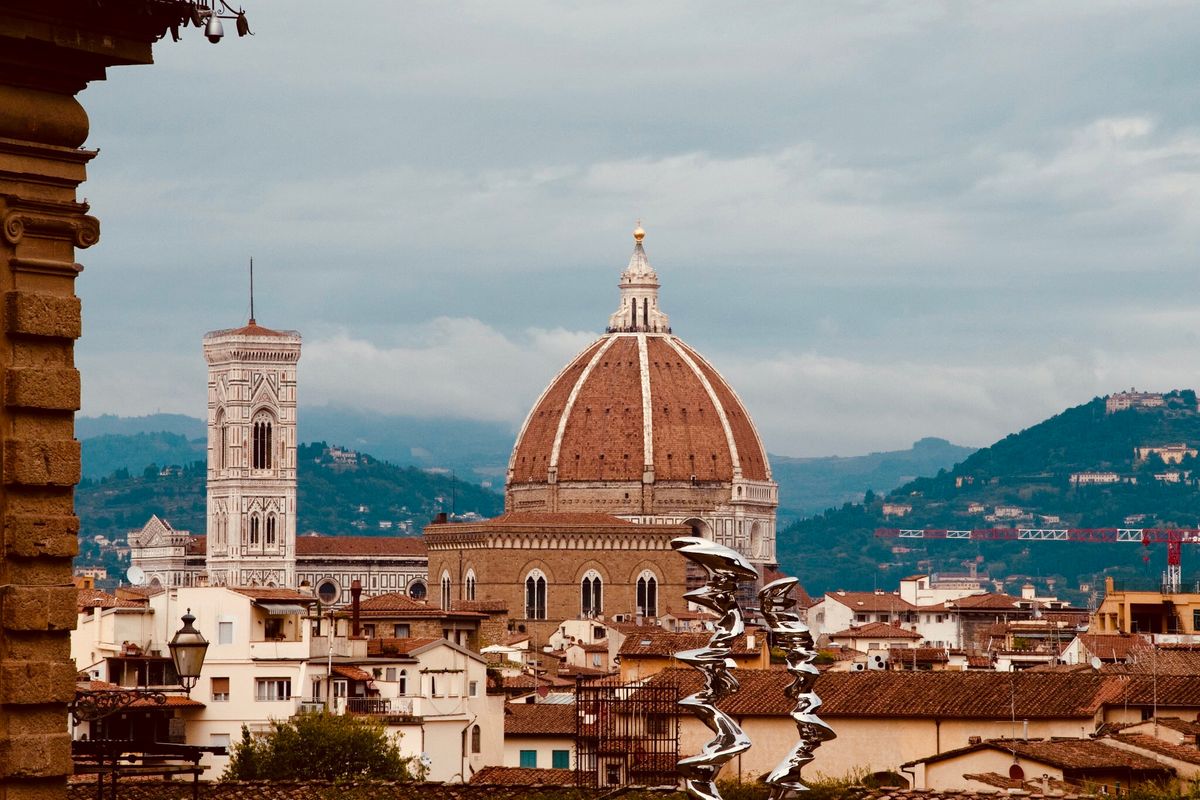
[355, 598]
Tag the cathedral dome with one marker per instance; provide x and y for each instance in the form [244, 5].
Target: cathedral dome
[640, 425]
[638, 406]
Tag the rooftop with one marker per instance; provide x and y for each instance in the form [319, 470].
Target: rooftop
[875, 630]
[539, 719]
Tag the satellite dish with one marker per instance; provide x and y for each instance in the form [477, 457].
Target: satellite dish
[136, 576]
[1096, 662]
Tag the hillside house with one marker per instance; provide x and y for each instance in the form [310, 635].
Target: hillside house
[1168, 453]
[1123, 401]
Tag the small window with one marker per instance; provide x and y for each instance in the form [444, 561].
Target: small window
[403, 687]
[389, 674]
[369, 630]
[272, 689]
[529, 759]
[225, 632]
[595, 659]
[400, 630]
[218, 740]
[612, 774]
[473, 688]
[1196, 620]
[476, 740]
[220, 690]
[560, 759]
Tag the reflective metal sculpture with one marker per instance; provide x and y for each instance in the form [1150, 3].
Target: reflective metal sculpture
[725, 568]
[794, 637]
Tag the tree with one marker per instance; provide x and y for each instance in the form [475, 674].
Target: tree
[320, 746]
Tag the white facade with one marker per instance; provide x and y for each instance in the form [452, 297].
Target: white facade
[268, 659]
[169, 557]
[252, 456]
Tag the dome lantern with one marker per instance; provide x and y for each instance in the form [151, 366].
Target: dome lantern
[639, 285]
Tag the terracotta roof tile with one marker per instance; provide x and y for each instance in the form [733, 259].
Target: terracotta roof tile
[95, 598]
[251, 328]
[1074, 754]
[871, 601]
[275, 594]
[400, 606]
[875, 630]
[922, 655]
[534, 719]
[352, 673]
[984, 602]
[958, 695]
[397, 647]
[1181, 752]
[658, 642]
[523, 776]
[309, 545]
[1112, 647]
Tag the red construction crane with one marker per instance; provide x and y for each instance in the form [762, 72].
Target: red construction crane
[1174, 538]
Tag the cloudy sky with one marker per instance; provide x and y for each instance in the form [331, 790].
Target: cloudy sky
[880, 220]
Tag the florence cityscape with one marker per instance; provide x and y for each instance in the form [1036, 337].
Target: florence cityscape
[561, 401]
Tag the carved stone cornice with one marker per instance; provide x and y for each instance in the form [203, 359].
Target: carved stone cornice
[47, 219]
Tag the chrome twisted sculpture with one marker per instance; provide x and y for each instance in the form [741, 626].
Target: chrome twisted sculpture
[725, 568]
[793, 636]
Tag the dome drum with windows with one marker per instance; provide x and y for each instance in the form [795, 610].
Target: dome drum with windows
[639, 425]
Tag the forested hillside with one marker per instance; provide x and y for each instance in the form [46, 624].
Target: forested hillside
[1027, 475]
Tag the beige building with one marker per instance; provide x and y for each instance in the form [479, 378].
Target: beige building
[1149, 612]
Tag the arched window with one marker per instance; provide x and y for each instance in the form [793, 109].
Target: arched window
[403, 682]
[470, 584]
[260, 441]
[446, 591]
[591, 594]
[535, 595]
[417, 590]
[476, 740]
[270, 530]
[647, 594]
[220, 445]
[254, 529]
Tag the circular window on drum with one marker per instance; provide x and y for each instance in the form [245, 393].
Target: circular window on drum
[328, 591]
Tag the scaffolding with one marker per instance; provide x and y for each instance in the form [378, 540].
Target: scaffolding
[626, 735]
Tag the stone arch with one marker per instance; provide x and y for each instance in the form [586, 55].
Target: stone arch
[699, 527]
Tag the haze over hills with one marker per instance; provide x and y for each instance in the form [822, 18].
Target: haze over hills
[350, 495]
[1029, 475]
[478, 452]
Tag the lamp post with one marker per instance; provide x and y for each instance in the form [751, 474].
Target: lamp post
[187, 648]
[187, 651]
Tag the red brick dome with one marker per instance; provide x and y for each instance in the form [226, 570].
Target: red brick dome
[643, 407]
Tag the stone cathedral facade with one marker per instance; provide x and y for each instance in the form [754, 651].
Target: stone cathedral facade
[252, 456]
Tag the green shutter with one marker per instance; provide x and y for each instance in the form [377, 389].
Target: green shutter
[561, 759]
[529, 758]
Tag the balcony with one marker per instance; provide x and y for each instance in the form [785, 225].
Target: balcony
[280, 650]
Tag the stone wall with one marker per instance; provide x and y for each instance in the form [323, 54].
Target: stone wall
[316, 790]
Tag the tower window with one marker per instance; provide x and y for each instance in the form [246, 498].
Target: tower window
[645, 312]
[446, 590]
[271, 530]
[260, 442]
[535, 595]
[254, 529]
[470, 584]
[633, 312]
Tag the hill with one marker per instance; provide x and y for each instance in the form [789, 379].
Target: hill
[1029, 476]
[810, 485]
[478, 452]
[356, 494]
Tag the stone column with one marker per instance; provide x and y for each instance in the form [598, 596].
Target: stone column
[49, 51]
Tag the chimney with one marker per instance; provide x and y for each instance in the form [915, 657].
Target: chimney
[440, 519]
[355, 597]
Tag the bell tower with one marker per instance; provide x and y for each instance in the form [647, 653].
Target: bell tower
[252, 455]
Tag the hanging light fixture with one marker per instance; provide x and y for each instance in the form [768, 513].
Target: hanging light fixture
[187, 651]
[207, 14]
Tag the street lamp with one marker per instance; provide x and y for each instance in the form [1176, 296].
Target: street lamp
[187, 651]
